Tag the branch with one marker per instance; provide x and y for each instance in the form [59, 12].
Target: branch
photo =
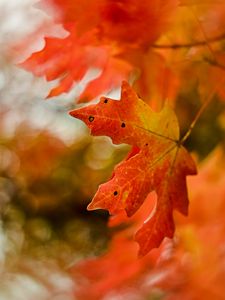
[190, 44]
[214, 63]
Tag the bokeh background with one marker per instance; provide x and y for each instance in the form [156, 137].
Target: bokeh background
[50, 168]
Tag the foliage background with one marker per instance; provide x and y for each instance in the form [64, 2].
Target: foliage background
[50, 246]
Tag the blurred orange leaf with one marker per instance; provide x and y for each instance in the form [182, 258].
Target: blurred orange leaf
[98, 38]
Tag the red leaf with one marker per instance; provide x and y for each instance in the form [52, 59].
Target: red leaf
[98, 38]
[161, 164]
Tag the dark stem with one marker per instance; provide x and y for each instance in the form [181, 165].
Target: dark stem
[199, 113]
[214, 63]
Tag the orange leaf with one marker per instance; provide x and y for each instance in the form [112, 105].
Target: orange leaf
[145, 19]
[98, 38]
[161, 163]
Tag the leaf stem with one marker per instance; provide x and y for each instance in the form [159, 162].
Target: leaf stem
[197, 116]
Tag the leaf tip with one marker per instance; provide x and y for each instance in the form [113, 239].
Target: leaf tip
[125, 86]
[72, 113]
[90, 207]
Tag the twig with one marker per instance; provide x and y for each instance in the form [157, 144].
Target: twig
[199, 113]
[191, 44]
[214, 63]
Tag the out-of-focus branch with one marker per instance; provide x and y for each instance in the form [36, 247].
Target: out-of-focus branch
[214, 63]
[190, 44]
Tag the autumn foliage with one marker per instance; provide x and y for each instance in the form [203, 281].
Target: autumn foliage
[156, 162]
[167, 60]
[98, 38]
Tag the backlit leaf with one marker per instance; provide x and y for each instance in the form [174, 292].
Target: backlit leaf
[157, 162]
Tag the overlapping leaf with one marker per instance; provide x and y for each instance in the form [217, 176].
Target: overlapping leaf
[98, 38]
[156, 162]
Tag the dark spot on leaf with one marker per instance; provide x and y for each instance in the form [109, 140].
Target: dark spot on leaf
[146, 144]
[115, 193]
[91, 119]
[123, 125]
[106, 101]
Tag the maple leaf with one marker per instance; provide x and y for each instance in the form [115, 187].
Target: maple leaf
[157, 162]
[70, 58]
[146, 19]
[98, 38]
